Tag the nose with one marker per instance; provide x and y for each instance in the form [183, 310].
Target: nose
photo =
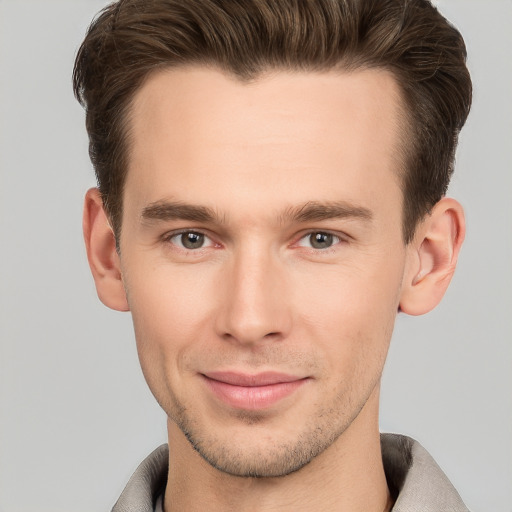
[255, 306]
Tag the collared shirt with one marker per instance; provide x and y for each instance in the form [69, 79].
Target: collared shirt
[417, 482]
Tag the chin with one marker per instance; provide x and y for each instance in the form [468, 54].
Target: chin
[267, 454]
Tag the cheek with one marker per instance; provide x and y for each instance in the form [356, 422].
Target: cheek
[358, 294]
[342, 313]
[171, 313]
[167, 301]
[351, 311]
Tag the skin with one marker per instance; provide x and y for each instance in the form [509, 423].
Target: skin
[233, 165]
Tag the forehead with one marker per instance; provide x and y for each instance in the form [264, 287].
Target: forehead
[208, 137]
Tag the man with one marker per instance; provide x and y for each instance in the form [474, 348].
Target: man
[271, 193]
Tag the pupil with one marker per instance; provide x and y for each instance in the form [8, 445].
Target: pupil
[321, 240]
[192, 240]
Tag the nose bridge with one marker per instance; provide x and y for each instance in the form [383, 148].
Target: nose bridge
[254, 309]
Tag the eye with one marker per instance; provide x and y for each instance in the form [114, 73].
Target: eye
[319, 240]
[190, 240]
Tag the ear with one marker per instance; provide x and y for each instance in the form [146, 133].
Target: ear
[432, 257]
[102, 254]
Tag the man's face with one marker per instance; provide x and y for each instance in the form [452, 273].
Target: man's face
[262, 257]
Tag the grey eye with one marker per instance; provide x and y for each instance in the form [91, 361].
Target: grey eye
[321, 240]
[191, 240]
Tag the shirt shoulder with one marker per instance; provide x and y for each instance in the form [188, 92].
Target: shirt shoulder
[419, 483]
[146, 484]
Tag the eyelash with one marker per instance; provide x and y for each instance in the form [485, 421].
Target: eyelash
[169, 236]
[338, 239]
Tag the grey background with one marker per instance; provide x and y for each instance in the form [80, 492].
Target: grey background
[75, 414]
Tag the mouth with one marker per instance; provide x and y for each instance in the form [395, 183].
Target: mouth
[252, 392]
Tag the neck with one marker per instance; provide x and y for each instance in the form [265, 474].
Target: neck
[349, 475]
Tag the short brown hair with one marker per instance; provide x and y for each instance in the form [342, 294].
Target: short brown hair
[130, 39]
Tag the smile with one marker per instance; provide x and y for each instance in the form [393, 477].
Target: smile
[252, 392]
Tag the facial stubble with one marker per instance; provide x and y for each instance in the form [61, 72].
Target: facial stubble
[277, 458]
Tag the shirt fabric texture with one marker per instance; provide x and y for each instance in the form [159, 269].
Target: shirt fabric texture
[417, 482]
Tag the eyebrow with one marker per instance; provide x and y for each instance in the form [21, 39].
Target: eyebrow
[315, 210]
[308, 212]
[172, 210]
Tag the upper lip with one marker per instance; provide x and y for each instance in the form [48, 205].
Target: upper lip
[248, 380]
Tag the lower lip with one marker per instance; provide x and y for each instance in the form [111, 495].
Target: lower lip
[252, 397]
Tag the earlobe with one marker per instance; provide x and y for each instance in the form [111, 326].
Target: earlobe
[102, 254]
[432, 257]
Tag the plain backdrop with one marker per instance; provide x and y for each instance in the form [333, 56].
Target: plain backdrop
[75, 413]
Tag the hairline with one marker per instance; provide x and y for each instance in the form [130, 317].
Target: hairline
[405, 131]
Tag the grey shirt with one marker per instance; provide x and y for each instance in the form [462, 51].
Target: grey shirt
[417, 482]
